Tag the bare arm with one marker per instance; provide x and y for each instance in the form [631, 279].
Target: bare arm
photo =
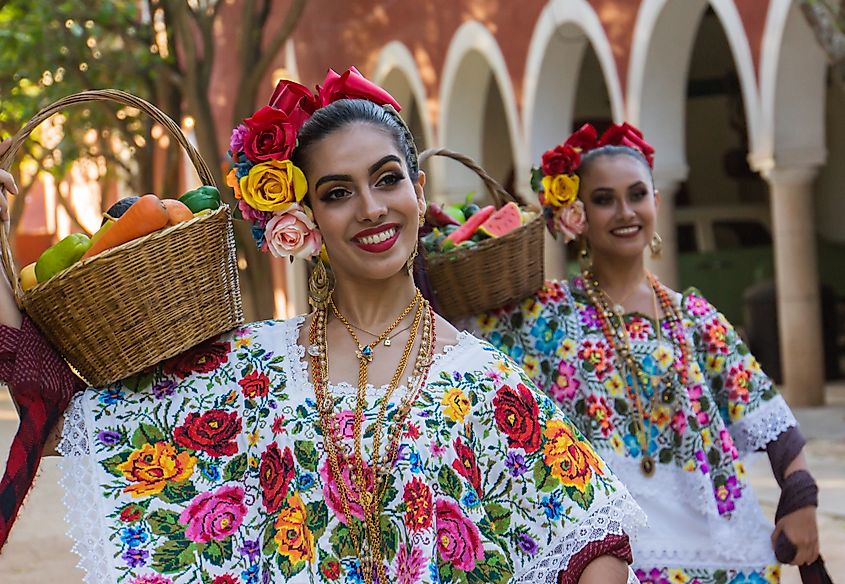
[603, 570]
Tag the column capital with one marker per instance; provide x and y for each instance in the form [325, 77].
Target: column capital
[790, 175]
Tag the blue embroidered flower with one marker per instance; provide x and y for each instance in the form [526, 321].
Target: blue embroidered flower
[750, 578]
[434, 572]
[632, 444]
[354, 575]
[251, 574]
[416, 462]
[111, 395]
[134, 536]
[210, 471]
[552, 507]
[305, 481]
[546, 339]
[470, 499]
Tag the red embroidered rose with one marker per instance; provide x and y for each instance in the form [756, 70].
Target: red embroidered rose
[583, 139]
[213, 432]
[225, 579]
[466, 465]
[418, 505]
[275, 474]
[352, 85]
[516, 414]
[270, 135]
[202, 358]
[458, 540]
[130, 513]
[331, 570]
[561, 159]
[295, 100]
[254, 385]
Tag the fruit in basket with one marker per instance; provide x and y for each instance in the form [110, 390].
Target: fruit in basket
[456, 212]
[119, 208]
[471, 209]
[27, 277]
[467, 230]
[438, 217]
[177, 211]
[61, 255]
[146, 215]
[107, 223]
[503, 221]
[204, 197]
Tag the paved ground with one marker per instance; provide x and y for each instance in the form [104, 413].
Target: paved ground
[39, 551]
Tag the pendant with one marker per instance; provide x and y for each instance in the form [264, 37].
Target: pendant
[619, 309]
[387, 341]
[647, 465]
[314, 350]
[365, 353]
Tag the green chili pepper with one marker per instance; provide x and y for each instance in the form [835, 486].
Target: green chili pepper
[204, 197]
[60, 256]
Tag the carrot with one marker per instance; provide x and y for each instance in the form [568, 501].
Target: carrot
[177, 211]
[146, 215]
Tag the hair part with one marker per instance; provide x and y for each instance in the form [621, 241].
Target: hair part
[344, 112]
[610, 150]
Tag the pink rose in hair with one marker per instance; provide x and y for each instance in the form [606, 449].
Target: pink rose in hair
[570, 221]
[293, 233]
[236, 142]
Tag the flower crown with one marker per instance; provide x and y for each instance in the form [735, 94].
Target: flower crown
[557, 184]
[269, 188]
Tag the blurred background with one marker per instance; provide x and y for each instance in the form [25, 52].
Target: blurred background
[742, 99]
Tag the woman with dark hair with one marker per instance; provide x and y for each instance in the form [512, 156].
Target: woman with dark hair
[368, 441]
[658, 381]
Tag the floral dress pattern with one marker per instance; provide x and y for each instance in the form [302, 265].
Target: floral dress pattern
[210, 469]
[705, 525]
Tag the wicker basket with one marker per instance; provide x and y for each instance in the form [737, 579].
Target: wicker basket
[139, 303]
[495, 272]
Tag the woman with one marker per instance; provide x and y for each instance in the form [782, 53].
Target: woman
[658, 381]
[368, 441]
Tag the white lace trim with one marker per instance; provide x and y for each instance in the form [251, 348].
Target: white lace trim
[763, 425]
[81, 498]
[617, 516]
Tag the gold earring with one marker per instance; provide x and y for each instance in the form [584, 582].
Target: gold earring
[585, 260]
[320, 285]
[409, 265]
[656, 245]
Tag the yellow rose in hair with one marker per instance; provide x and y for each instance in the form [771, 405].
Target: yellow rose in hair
[273, 186]
[560, 190]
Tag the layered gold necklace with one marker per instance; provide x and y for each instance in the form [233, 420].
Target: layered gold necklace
[370, 483]
[612, 319]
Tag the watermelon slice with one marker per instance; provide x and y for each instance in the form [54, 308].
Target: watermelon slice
[466, 230]
[503, 221]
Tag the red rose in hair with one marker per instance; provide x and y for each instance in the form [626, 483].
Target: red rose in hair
[212, 432]
[275, 474]
[270, 135]
[584, 138]
[466, 465]
[561, 159]
[295, 100]
[202, 358]
[352, 85]
[516, 414]
[254, 385]
[627, 135]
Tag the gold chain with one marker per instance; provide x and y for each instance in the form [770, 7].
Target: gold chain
[366, 351]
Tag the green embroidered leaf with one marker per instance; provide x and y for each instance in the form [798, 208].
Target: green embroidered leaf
[713, 456]
[235, 468]
[665, 455]
[178, 492]
[341, 542]
[306, 454]
[163, 522]
[317, 518]
[111, 463]
[146, 434]
[493, 568]
[218, 552]
[174, 556]
[301, 411]
[543, 477]
[705, 403]
[268, 545]
[287, 568]
[621, 406]
[499, 516]
[389, 538]
[585, 499]
[449, 482]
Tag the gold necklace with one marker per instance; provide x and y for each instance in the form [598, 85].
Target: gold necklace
[387, 340]
[365, 352]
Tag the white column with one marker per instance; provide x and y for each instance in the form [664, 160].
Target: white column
[666, 266]
[797, 281]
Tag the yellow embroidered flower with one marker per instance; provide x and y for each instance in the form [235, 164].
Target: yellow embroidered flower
[753, 364]
[293, 538]
[530, 365]
[614, 385]
[617, 444]
[706, 438]
[503, 367]
[153, 466]
[566, 349]
[689, 466]
[663, 356]
[772, 574]
[560, 190]
[252, 438]
[697, 376]
[661, 416]
[740, 470]
[678, 576]
[532, 309]
[715, 363]
[242, 342]
[273, 186]
[487, 323]
[253, 462]
[735, 410]
[572, 461]
[456, 405]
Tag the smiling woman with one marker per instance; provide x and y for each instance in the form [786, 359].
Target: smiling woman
[368, 440]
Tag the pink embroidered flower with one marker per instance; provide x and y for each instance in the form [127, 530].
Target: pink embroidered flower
[331, 490]
[738, 383]
[728, 443]
[458, 539]
[151, 579]
[570, 221]
[408, 565]
[679, 422]
[214, 516]
[565, 385]
[346, 423]
[697, 305]
[293, 233]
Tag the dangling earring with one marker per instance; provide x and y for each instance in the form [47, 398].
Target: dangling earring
[409, 265]
[585, 260]
[656, 245]
[320, 285]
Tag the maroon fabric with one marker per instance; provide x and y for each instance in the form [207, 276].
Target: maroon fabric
[42, 385]
[617, 546]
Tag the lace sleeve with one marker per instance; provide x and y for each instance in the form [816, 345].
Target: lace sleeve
[763, 425]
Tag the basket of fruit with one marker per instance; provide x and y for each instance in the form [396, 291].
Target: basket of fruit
[481, 257]
[159, 276]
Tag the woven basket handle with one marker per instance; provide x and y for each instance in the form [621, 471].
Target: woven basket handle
[499, 194]
[113, 95]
